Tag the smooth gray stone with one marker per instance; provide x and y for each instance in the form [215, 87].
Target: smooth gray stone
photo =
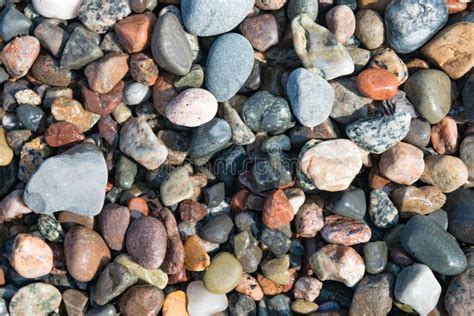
[441, 217]
[217, 229]
[14, 23]
[429, 243]
[468, 96]
[106, 310]
[460, 209]
[30, 116]
[411, 23]
[419, 133]
[375, 256]
[229, 64]
[81, 49]
[113, 281]
[351, 203]
[210, 138]
[208, 18]
[73, 181]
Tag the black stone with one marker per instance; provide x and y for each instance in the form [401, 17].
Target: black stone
[460, 209]
[277, 241]
[468, 96]
[8, 177]
[217, 229]
[30, 116]
[14, 23]
[351, 203]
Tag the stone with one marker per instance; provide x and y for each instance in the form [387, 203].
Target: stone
[136, 93]
[143, 69]
[104, 74]
[31, 257]
[5, 150]
[48, 70]
[229, 64]
[309, 220]
[13, 23]
[208, 19]
[457, 299]
[138, 141]
[249, 286]
[81, 49]
[406, 32]
[201, 301]
[62, 133]
[304, 307]
[268, 286]
[35, 299]
[318, 48]
[448, 173]
[375, 256]
[451, 51]
[113, 281]
[174, 258]
[51, 37]
[30, 116]
[138, 207]
[86, 253]
[102, 103]
[50, 228]
[57, 9]
[430, 244]
[71, 111]
[61, 184]
[307, 288]
[341, 21]
[19, 55]
[417, 287]
[377, 5]
[369, 29]
[279, 305]
[310, 108]
[444, 136]
[412, 200]
[297, 7]
[466, 95]
[141, 300]
[175, 304]
[241, 305]
[373, 295]
[100, 16]
[27, 97]
[195, 256]
[377, 84]
[192, 107]
[12, 206]
[378, 134]
[277, 270]
[15, 139]
[33, 154]
[331, 155]
[69, 220]
[176, 187]
[350, 203]
[134, 32]
[217, 229]
[349, 104]
[278, 243]
[419, 133]
[113, 223]
[193, 79]
[168, 42]
[261, 31]
[338, 263]
[270, 4]
[465, 153]
[209, 138]
[381, 209]
[460, 214]
[344, 231]
[277, 210]
[163, 92]
[386, 58]
[155, 277]
[75, 302]
[247, 251]
[223, 274]
[402, 163]
[107, 309]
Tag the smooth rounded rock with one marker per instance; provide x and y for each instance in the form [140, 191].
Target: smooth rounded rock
[104, 74]
[113, 223]
[31, 257]
[35, 299]
[201, 301]
[209, 139]
[412, 200]
[448, 173]
[134, 32]
[377, 84]
[461, 215]
[136, 93]
[343, 231]
[375, 256]
[466, 153]
[341, 22]
[351, 203]
[141, 300]
[444, 136]
[217, 229]
[223, 274]
[57, 9]
[192, 107]
[112, 282]
[403, 163]
[373, 295]
[101, 15]
[369, 29]
[261, 31]
[419, 133]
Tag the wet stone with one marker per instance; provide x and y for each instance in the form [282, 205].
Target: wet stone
[114, 280]
[81, 49]
[351, 203]
[375, 256]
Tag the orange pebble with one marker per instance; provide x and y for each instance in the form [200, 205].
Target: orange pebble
[138, 207]
[175, 304]
[239, 201]
[377, 84]
[455, 6]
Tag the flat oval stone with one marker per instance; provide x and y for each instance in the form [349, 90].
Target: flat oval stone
[210, 138]
[205, 18]
[113, 223]
[35, 299]
[406, 31]
[155, 277]
[412, 200]
[31, 257]
[429, 243]
[229, 64]
[344, 231]
[141, 300]
[57, 9]
[217, 229]
[61, 182]
[350, 203]
[376, 135]
[461, 215]
[201, 301]
[311, 97]
[377, 84]
[448, 173]
[375, 256]
[169, 45]
[223, 274]
[192, 107]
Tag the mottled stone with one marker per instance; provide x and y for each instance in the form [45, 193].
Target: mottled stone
[143, 69]
[458, 297]
[81, 49]
[344, 231]
[99, 15]
[75, 302]
[349, 104]
[192, 107]
[411, 200]
[261, 31]
[370, 29]
[71, 111]
[448, 173]
[381, 209]
[195, 256]
[62, 133]
[19, 55]
[174, 258]
[402, 163]
[386, 58]
[104, 74]
[373, 296]
[31, 257]
[102, 103]
[35, 299]
[277, 269]
[309, 220]
[32, 155]
[277, 210]
[141, 300]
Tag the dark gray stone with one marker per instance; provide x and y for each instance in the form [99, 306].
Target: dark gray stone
[14, 23]
[279, 305]
[113, 281]
[81, 49]
[468, 96]
[419, 133]
[106, 310]
[8, 177]
[214, 195]
[441, 217]
[276, 240]
[375, 256]
[351, 203]
[460, 209]
[217, 229]
[296, 7]
[30, 116]
[242, 305]
[210, 138]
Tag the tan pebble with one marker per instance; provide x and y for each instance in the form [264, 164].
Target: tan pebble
[403, 163]
[175, 304]
[71, 111]
[195, 257]
[6, 153]
[19, 55]
[31, 257]
[248, 285]
[103, 74]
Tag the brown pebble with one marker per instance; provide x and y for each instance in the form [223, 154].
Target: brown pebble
[444, 136]
[69, 220]
[163, 92]
[143, 69]
[192, 211]
[62, 133]
[103, 74]
[75, 302]
[19, 55]
[2, 276]
[113, 223]
[239, 201]
[195, 256]
[261, 31]
[102, 103]
[377, 84]
[47, 70]
[71, 111]
[411, 200]
[31, 257]
[52, 37]
[138, 6]
[277, 210]
[141, 300]
[108, 129]
[416, 64]
[134, 32]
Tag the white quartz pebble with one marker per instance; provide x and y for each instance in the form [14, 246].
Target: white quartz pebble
[201, 302]
[59, 9]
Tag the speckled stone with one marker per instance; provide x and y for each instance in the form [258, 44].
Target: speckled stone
[344, 231]
[448, 173]
[430, 244]
[458, 297]
[81, 49]
[373, 295]
[369, 28]
[376, 135]
[35, 299]
[407, 32]
[381, 209]
[205, 18]
[192, 107]
[349, 104]
[229, 64]
[350, 203]
[297, 7]
[101, 15]
[278, 243]
[375, 256]
[461, 215]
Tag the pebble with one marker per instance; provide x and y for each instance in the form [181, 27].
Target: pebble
[35, 299]
[32, 155]
[402, 163]
[100, 16]
[297, 7]
[370, 28]
[113, 223]
[378, 134]
[375, 256]
[176, 187]
[141, 300]
[13, 23]
[277, 270]
[430, 244]
[344, 231]
[223, 274]
[16, 139]
[270, 4]
[193, 79]
[106, 310]
[331, 155]
[217, 229]
[460, 215]
[143, 69]
[62, 133]
[307, 288]
[406, 32]
[338, 263]
[208, 19]
[373, 295]
[114, 280]
[155, 277]
[5, 150]
[386, 58]
[318, 48]
[27, 97]
[350, 203]
[377, 84]
[102, 103]
[86, 253]
[241, 305]
[30, 116]
[138, 141]
[309, 220]
[261, 31]
[168, 42]
[249, 286]
[81, 49]
[195, 256]
[104, 74]
[444, 136]
[278, 243]
[134, 31]
[412, 200]
[163, 92]
[341, 22]
[135, 93]
[247, 251]
[175, 304]
[349, 104]
[229, 64]
[31, 257]
[419, 133]
[145, 242]
[448, 173]
[417, 287]
[174, 258]
[203, 302]
[465, 153]
[51, 37]
[12, 206]
[75, 301]
[210, 138]
[310, 108]
[68, 187]
[50, 228]
[457, 299]
[430, 91]
[192, 107]
[19, 55]
[277, 210]
[71, 111]
[57, 9]
[382, 212]
[303, 307]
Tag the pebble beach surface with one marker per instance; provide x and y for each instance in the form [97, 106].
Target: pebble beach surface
[234, 158]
